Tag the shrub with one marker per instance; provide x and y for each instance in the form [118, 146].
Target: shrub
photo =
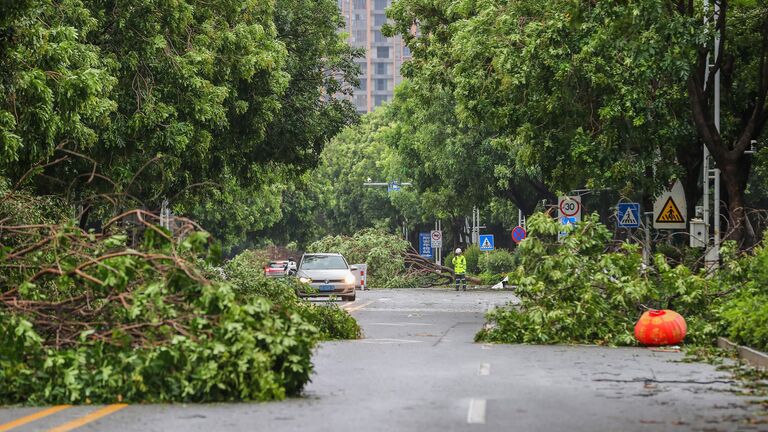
[498, 261]
[472, 253]
[745, 312]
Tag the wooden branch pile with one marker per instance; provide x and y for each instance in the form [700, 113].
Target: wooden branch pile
[439, 274]
[66, 281]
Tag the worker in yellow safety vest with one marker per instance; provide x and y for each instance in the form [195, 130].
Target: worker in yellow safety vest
[460, 269]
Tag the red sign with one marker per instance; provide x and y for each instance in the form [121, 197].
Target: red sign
[569, 207]
[518, 234]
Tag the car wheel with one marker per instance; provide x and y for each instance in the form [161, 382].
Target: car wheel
[348, 297]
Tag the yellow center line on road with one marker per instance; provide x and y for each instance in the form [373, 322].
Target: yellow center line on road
[352, 309]
[78, 422]
[32, 417]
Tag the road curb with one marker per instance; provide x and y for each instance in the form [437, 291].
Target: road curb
[754, 357]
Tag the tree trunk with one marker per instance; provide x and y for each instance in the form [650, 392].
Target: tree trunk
[733, 178]
[690, 158]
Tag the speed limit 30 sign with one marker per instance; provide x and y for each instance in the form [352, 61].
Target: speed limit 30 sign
[569, 207]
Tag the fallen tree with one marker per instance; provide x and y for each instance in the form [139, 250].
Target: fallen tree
[93, 317]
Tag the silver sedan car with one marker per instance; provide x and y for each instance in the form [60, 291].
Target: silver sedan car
[328, 274]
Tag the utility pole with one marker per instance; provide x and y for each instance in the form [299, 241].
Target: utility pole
[712, 250]
[475, 231]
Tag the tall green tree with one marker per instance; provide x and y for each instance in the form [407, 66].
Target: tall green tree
[603, 94]
[185, 100]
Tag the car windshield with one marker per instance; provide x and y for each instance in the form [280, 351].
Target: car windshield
[323, 262]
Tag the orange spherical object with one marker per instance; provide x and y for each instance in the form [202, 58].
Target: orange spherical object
[660, 327]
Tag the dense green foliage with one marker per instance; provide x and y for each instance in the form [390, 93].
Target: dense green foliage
[745, 314]
[575, 292]
[384, 254]
[215, 106]
[499, 261]
[550, 97]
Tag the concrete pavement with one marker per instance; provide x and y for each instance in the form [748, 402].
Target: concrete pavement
[418, 369]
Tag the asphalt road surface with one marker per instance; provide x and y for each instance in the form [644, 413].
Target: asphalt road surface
[418, 369]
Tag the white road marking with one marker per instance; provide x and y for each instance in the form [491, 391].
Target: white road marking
[476, 413]
[486, 346]
[485, 369]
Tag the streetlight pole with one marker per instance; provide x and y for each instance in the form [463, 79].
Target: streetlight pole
[392, 186]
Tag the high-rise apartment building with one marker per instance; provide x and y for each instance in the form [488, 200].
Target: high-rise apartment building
[380, 68]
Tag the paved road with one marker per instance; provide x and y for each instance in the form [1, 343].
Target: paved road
[417, 369]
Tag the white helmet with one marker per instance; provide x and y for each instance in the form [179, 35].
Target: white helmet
[458, 250]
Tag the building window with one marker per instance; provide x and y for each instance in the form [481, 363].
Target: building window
[381, 4]
[383, 69]
[363, 84]
[363, 67]
[382, 52]
[359, 4]
[382, 84]
[406, 51]
[380, 99]
[378, 37]
[360, 36]
[379, 19]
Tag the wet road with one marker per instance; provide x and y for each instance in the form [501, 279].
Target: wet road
[418, 369]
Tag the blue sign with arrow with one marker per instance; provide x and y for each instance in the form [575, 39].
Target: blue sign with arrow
[425, 245]
[486, 242]
[393, 187]
[629, 215]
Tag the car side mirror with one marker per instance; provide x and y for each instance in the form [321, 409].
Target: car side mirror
[354, 268]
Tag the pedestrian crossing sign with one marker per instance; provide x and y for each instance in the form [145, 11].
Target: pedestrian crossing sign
[670, 213]
[486, 242]
[669, 209]
[628, 215]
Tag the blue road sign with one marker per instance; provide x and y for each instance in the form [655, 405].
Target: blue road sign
[486, 242]
[393, 186]
[629, 215]
[566, 221]
[425, 245]
[518, 234]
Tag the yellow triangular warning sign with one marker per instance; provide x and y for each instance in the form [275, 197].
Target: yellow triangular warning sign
[670, 213]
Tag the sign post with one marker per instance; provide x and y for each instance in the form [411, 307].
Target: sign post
[569, 207]
[425, 245]
[486, 242]
[569, 212]
[518, 234]
[628, 215]
[670, 209]
[436, 238]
